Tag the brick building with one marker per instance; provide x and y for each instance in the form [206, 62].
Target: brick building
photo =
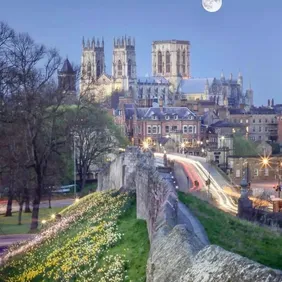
[155, 123]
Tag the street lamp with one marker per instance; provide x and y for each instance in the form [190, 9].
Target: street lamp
[74, 166]
[224, 151]
[182, 146]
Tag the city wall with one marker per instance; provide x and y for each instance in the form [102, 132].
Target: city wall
[177, 252]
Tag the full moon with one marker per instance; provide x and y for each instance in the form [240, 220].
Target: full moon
[212, 5]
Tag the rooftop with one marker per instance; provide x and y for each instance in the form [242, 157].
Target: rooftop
[172, 41]
[152, 80]
[194, 85]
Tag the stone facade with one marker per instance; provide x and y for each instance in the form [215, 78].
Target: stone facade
[256, 170]
[171, 59]
[179, 250]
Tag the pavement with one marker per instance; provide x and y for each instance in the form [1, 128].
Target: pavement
[43, 204]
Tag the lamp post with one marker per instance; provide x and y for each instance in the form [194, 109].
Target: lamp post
[74, 166]
[182, 146]
[224, 156]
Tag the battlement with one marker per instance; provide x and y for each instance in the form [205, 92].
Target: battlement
[93, 44]
[124, 42]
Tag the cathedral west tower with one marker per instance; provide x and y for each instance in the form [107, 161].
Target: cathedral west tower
[124, 64]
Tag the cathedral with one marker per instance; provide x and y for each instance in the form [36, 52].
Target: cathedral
[170, 81]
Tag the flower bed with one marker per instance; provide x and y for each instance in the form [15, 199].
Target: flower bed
[75, 248]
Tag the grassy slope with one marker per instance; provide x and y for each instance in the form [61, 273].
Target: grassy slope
[134, 245]
[245, 238]
[9, 225]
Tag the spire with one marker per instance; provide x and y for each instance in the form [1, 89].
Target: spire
[88, 43]
[239, 74]
[129, 40]
[122, 41]
[103, 41]
[114, 42]
[231, 76]
[67, 67]
[93, 42]
[222, 75]
[133, 41]
[83, 42]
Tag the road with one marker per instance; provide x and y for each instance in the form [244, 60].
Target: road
[44, 204]
[197, 169]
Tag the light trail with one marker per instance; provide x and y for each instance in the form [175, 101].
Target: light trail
[225, 201]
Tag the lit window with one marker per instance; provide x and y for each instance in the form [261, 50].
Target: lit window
[256, 172]
[266, 172]
[247, 121]
[238, 173]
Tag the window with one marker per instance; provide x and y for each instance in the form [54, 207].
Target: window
[167, 129]
[139, 129]
[176, 117]
[167, 117]
[154, 130]
[178, 61]
[256, 172]
[149, 130]
[183, 61]
[266, 121]
[241, 121]
[254, 129]
[260, 129]
[266, 172]
[259, 137]
[259, 120]
[160, 62]
[185, 128]
[89, 69]
[154, 117]
[190, 129]
[174, 128]
[247, 121]
[238, 173]
[254, 121]
[119, 68]
[129, 68]
[159, 129]
[167, 61]
[265, 129]
[195, 129]
[190, 117]
[98, 68]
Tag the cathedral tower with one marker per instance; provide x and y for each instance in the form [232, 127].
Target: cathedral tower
[171, 59]
[124, 64]
[92, 61]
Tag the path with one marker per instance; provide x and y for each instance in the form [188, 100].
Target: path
[44, 204]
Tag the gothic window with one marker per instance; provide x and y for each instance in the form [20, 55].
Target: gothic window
[178, 61]
[89, 69]
[183, 61]
[160, 62]
[129, 68]
[98, 69]
[167, 61]
[119, 68]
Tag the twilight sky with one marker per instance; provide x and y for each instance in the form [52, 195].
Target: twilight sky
[244, 35]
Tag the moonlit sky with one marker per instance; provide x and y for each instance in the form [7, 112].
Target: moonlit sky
[243, 35]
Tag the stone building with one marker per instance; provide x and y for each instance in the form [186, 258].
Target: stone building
[256, 170]
[67, 82]
[224, 92]
[151, 90]
[95, 82]
[261, 123]
[171, 59]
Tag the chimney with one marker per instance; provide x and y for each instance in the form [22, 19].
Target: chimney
[161, 104]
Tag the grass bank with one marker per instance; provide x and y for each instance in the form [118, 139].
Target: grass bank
[239, 236]
[97, 239]
[9, 224]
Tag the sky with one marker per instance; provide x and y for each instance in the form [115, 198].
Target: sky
[243, 35]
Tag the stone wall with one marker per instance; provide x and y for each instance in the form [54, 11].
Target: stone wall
[178, 252]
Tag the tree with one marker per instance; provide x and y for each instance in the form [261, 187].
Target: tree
[95, 136]
[31, 98]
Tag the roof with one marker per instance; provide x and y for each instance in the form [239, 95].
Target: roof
[182, 112]
[128, 111]
[152, 80]
[174, 41]
[262, 111]
[194, 85]
[224, 123]
[67, 67]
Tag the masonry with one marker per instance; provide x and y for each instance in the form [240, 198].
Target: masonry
[180, 250]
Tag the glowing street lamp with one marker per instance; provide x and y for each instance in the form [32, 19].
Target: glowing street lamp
[43, 221]
[145, 145]
[265, 161]
[53, 216]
